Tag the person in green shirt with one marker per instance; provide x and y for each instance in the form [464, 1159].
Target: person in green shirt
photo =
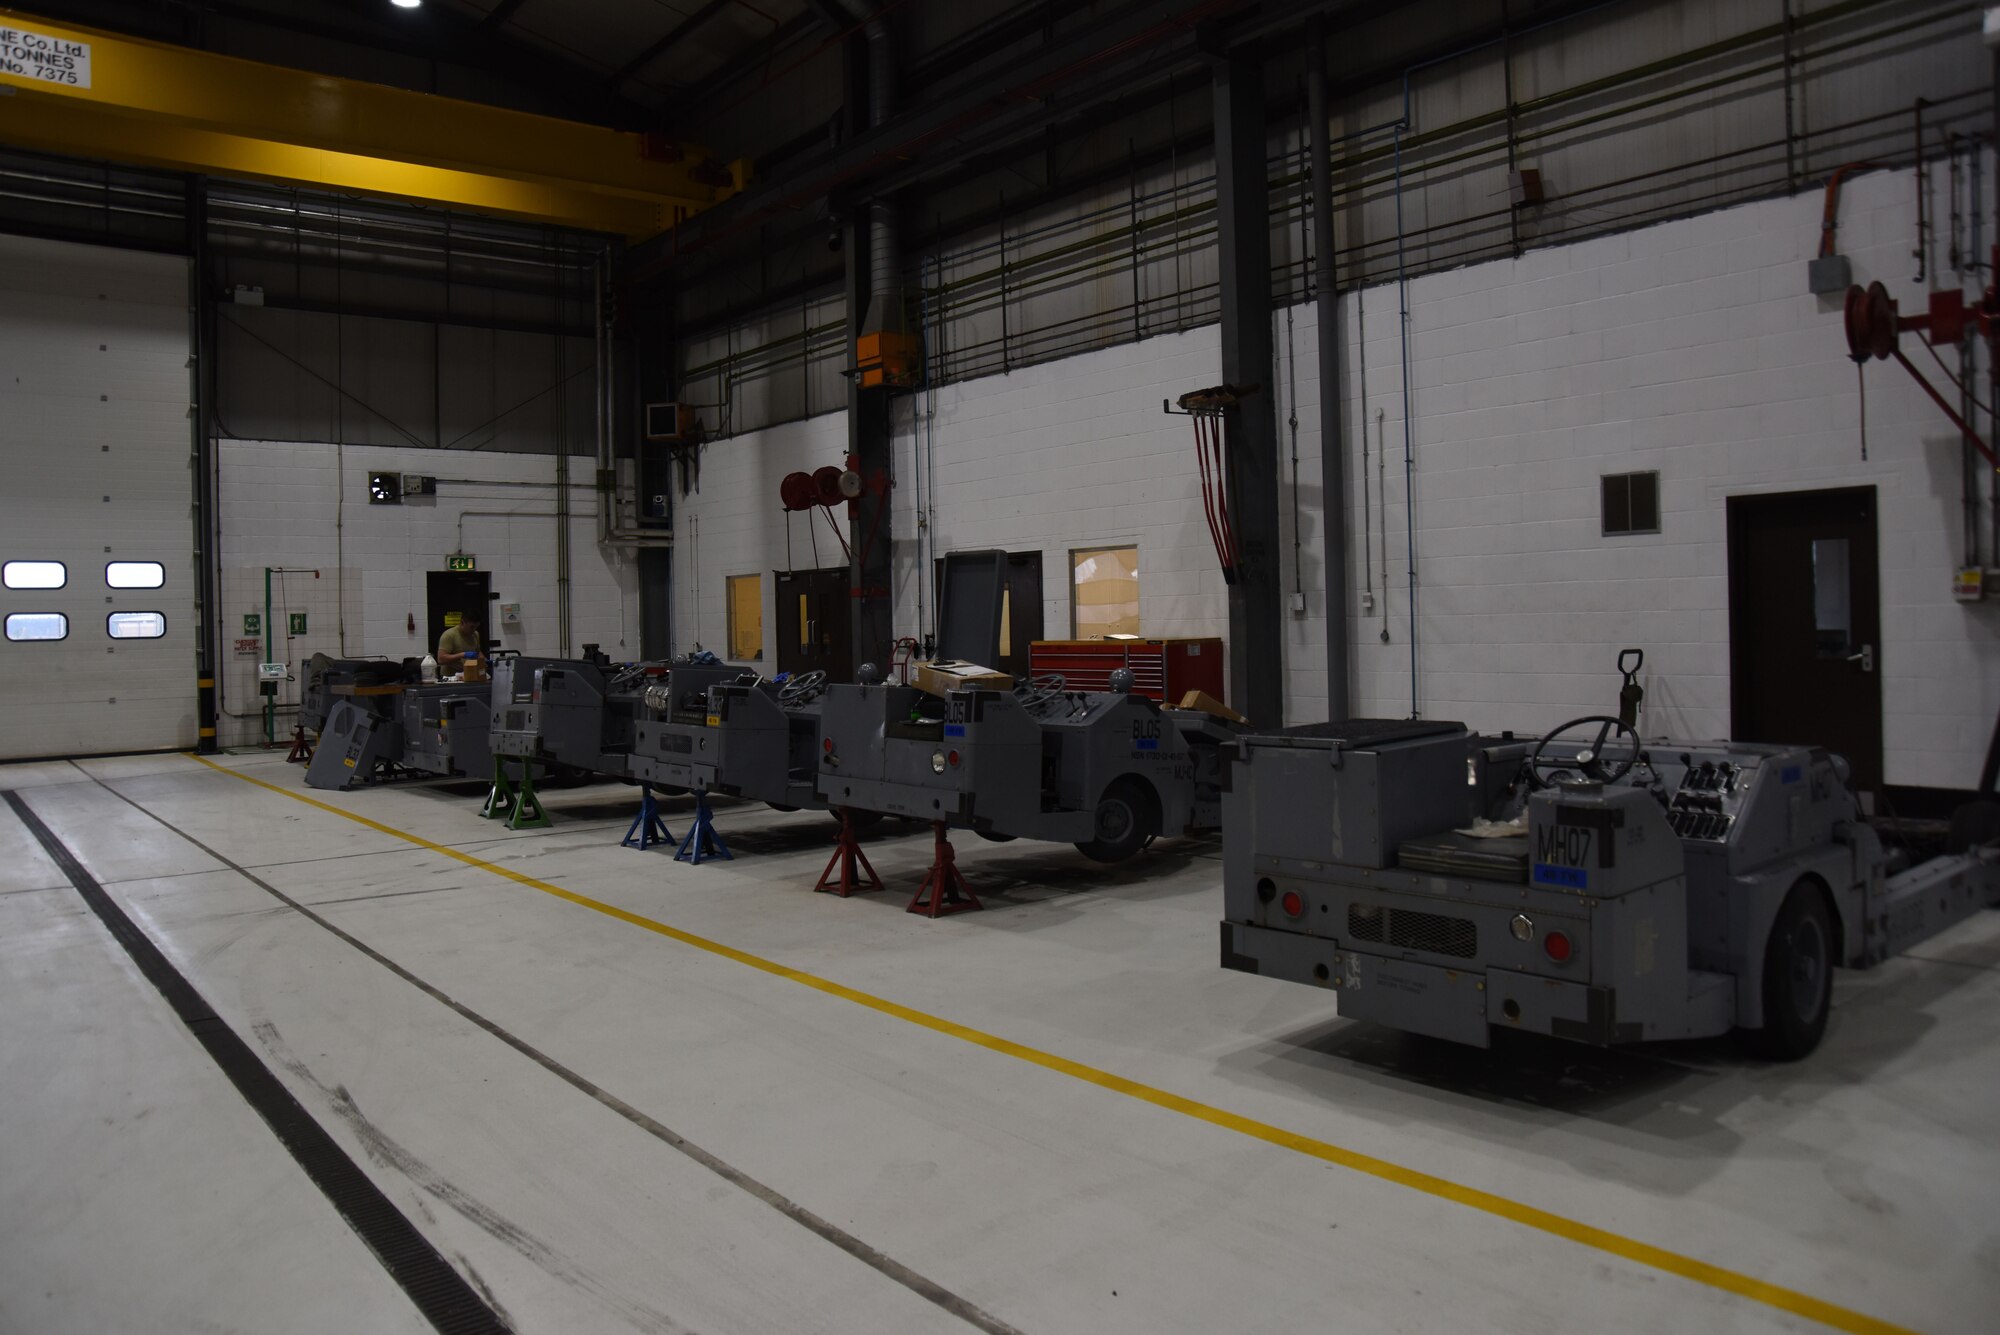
[453, 644]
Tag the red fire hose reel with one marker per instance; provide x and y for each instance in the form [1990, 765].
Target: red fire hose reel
[832, 485]
[1874, 327]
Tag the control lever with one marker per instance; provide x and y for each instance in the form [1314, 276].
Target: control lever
[1631, 693]
[1866, 658]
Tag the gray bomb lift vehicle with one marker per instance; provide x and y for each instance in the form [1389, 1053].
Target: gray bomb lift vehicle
[713, 729]
[1636, 890]
[569, 714]
[719, 729]
[1108, 771]
[574, 716]
[1105, 770]
[377, 717]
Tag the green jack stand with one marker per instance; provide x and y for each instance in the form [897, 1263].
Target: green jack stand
[515, 802]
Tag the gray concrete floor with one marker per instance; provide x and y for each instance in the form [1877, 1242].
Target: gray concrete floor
[959, 1111]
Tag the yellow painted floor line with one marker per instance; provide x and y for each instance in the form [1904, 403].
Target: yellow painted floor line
[1586, 1235]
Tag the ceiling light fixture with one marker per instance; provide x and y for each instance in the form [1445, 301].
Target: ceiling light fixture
[407, 4]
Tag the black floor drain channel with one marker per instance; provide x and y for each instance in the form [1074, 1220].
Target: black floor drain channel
[438, 1290]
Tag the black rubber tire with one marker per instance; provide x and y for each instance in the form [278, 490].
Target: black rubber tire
[1128, 816]
[1798, 976]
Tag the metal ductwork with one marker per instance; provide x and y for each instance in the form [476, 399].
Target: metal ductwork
[885, 256]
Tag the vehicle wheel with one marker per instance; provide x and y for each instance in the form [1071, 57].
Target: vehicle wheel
[1798, 976]
[1126, 818]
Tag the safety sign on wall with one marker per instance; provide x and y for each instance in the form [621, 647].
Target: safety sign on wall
[251, 648]
[298, 623]
[27, 54]
[253, 623]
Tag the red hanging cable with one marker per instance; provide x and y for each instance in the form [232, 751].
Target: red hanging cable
[828, 512]
[1222, 488]
[1207, 498]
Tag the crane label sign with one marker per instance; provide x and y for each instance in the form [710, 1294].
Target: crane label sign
[27, 54]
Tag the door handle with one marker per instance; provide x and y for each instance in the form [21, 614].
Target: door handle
[1866, 658]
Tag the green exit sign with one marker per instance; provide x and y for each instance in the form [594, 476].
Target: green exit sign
[253, 623]
[458, 563]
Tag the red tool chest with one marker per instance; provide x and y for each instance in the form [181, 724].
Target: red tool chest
[1163, 670]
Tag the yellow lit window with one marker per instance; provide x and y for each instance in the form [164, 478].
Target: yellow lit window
[746, 616]
[1105, 592]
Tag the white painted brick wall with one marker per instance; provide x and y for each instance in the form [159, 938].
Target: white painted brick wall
[279, 507]
[1691, 347]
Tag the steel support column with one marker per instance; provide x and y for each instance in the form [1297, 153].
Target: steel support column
[201, 423]
[650, 363]
[1332, 448]
[1243, 254]
[872, 610]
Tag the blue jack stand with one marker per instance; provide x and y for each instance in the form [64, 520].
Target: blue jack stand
[702, 841]
[647, 827]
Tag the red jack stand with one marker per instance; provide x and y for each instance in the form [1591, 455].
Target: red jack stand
[944, 891]
[302, 750]
[852, 862]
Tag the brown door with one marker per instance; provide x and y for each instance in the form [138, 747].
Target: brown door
[1805, 624]
[815, 633]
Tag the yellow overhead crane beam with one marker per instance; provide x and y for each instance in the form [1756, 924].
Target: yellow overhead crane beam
[96, 94]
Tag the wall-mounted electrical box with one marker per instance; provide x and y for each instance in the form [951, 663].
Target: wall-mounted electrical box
[1968, 584]
[888, 360]
[419, 484]
[671, 422]
[1829, 275]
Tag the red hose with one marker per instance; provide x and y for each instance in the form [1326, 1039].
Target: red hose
[1829, 218]
[1208, 495]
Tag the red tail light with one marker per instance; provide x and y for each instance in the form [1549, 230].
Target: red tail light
[1557, 947]
[826, 745]
[951, 758]
[1292, 904]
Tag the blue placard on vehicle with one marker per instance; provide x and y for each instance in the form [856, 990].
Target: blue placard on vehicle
[954, 730]
[1570, 878]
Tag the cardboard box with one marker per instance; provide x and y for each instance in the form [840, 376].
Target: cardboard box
[948, 674]
[1208, 704]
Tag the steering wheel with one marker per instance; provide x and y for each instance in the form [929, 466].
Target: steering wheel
[802, 688]
[1591, 760]
[1036, 692]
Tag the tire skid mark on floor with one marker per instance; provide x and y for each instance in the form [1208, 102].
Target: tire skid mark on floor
[389, 1153]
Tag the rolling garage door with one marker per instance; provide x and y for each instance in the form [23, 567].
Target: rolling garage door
[97, 575]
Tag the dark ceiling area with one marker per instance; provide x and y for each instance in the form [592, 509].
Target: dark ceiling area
[678, 66]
